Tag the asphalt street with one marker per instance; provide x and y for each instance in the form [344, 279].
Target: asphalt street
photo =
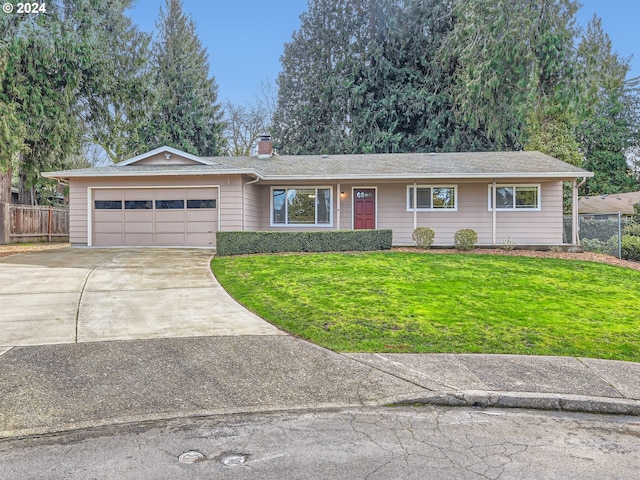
[363, 443]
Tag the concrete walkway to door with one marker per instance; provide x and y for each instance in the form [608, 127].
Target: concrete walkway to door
[89, 294]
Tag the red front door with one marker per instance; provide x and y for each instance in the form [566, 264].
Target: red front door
[364, 208]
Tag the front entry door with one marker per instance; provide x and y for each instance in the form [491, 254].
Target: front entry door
[364, 208]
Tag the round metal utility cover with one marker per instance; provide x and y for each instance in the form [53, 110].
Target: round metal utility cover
[233, 459]
[191, 457]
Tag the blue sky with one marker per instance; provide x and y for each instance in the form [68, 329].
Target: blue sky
[245, 38]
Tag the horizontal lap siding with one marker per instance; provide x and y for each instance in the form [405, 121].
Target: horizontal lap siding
[253, 200]
[230, 204]
[78, 211]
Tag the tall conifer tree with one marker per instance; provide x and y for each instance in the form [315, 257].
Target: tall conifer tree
[188, 115]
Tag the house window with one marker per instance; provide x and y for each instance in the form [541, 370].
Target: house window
[308, 206]
[515, 197]
[433, 198]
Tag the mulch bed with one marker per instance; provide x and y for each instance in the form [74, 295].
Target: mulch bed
[586, 256]
[6, 250]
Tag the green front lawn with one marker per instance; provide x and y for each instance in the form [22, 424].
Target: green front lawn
[412, 302]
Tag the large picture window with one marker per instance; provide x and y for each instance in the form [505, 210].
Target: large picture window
[515, 197]
[432, 197]
[309, 206]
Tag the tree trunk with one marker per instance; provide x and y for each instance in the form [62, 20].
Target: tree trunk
[25, 194]
[5, 201]
[5, 184]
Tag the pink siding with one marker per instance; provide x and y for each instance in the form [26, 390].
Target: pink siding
[523, 227]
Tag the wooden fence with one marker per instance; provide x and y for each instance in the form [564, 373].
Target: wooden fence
[28, 224]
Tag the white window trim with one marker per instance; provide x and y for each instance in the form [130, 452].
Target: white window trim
[538, 186]
[432, 209]
[302, 225]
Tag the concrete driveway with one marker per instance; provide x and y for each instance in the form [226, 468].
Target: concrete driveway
[90, 294]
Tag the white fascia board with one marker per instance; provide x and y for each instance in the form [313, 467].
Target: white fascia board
[173, 151]
[555, 175]
[165, 173]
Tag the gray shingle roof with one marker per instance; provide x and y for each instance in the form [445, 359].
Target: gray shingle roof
[373, 166]
[601, 204]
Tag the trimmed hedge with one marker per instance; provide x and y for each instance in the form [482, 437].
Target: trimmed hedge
[241, 243]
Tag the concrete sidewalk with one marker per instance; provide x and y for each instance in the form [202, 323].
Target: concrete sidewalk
[57, 388]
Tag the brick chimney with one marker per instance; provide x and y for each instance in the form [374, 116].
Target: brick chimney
[265, 147]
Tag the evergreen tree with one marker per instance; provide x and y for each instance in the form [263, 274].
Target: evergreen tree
[42, 56]
[313, 111]
[402, 98]
[513, 58]
[116, 92]
[187, 115]
[608, 112]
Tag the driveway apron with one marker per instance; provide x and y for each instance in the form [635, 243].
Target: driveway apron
[88, 295]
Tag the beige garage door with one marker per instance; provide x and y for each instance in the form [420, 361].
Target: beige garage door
[155, 216]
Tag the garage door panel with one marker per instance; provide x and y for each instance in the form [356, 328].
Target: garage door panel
[200, 227]
[108, 227]
[170, 227]
[139, 239]
[170, 239]
[170, 193]
[170, 216]
[201, 239]
[138, 216]
[201, 193]
[109, 239]
[109, 194]
[138, 194]
[138, 228]
[108, 216]
[202, 215]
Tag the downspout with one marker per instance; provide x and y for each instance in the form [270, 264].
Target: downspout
[494, 226]
[575, 224]
[243, 200]
[415, 205]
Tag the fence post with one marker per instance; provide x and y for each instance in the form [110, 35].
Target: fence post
[5, 223]
[619, 234]
[50, 218]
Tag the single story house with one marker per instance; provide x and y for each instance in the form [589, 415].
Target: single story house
[172, 198]
[601, 207]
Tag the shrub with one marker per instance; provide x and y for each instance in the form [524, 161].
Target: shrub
[631, 229]
[631, 248]
[593, 245]
[508, 244]
[240, 243]
[423, 237]
[465, 239]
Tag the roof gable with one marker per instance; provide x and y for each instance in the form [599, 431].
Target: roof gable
[165, 156]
